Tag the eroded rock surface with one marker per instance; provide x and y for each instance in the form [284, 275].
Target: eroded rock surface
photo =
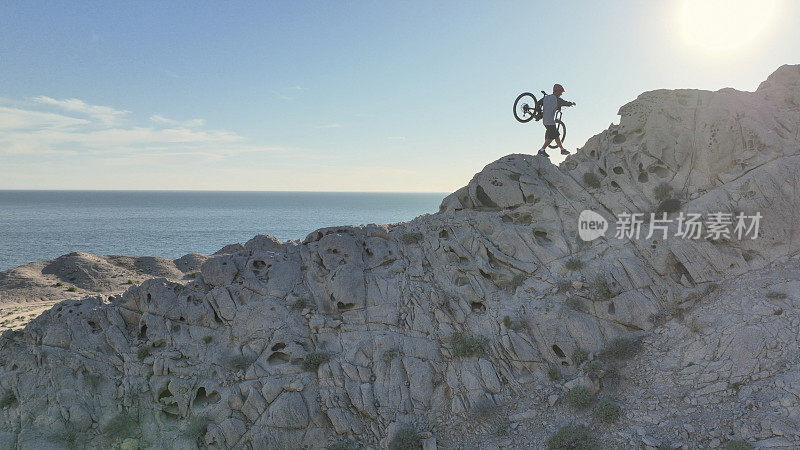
[455, 322]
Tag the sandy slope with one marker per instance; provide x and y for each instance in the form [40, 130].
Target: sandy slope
[28, 290]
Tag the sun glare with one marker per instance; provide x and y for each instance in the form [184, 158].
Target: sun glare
[724, 25]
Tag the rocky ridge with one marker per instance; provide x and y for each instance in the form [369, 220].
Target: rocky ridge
[470, 324]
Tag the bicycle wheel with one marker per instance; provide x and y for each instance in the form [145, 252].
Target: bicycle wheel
[524, 106]
[562, 132]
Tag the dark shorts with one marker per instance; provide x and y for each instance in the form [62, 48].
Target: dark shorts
[551, 132]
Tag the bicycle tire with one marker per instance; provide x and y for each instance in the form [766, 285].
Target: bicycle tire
[518, 113]
[562, 132]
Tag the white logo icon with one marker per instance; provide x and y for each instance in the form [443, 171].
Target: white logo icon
[591, 225]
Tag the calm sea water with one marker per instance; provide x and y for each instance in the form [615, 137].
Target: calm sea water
[39, 225]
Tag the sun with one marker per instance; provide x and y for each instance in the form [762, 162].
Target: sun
[724, 25]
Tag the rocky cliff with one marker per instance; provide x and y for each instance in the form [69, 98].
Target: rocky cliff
[489, 323]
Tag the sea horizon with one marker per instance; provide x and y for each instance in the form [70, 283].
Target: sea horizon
[43, 224]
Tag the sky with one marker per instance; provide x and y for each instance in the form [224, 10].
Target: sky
[342, 96]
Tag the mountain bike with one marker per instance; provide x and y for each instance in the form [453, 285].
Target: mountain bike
[524, 112]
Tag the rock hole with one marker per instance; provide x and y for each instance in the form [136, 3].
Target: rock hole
[94, 326]
[679, 270]
[643, 177]
[484, 274]
[14, 367]
[557, 350]
[443, 234]
[259, 264]
[201, 398]
[143, 332]
[614, 184]
[478, 307]
[514, 176]
[278, 346]
[541, 237]
[341, 306]
[618, 170]
[611, 308]
[176, 328]
[164, 394]
[149, 297]
[278, 358]
[484, 198]
[602, 172]
[619, 138]
[461, 281]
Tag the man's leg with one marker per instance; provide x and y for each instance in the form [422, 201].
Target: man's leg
[542, 151]
[558, 142]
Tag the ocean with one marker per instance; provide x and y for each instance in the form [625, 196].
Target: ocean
[41, 225]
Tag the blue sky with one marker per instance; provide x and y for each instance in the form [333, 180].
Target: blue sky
[343, 96]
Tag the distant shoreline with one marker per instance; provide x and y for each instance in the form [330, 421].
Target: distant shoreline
[41, 225]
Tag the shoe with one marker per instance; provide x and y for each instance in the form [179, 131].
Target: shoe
[564, 151]
[543, 153]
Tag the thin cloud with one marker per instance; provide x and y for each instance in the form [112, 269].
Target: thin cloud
[192, 123]
[330, 125]
[22, 119]
[27, 131]
[396, 138]
[104, 114]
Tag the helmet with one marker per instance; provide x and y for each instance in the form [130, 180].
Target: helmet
[558, 87]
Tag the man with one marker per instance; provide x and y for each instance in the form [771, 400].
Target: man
[550, 104]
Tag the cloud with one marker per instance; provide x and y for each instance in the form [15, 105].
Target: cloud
[21, 119]
[98, 132]
[330, 125]
[104, 114]
[192, 123]
[396, 138]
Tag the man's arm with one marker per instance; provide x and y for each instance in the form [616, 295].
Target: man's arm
[562, 102]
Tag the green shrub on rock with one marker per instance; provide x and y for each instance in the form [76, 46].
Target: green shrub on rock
[573, 437]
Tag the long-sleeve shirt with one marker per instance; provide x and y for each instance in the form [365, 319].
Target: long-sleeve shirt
[550, 104]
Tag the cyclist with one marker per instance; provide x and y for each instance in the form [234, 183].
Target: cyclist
[549, 104]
